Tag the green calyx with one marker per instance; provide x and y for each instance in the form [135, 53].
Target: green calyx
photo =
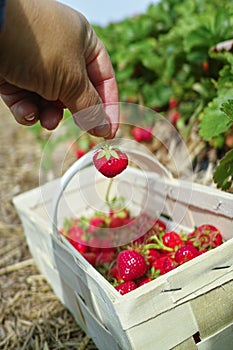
[108, 152]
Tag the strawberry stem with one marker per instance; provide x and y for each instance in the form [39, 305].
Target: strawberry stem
[158, 245]
[107, 199]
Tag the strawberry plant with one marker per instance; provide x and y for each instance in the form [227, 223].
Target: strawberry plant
[179, 59]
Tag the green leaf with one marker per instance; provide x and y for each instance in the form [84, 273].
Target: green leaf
[227, 108]
[213, 124]
[213, 120]
[223, 175]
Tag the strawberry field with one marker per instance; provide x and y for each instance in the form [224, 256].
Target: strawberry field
[175, 59]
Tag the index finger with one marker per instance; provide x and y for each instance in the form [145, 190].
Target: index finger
[102, 76]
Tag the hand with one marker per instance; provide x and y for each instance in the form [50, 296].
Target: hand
[49, 52]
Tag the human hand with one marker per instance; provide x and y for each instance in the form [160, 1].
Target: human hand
[49, 52]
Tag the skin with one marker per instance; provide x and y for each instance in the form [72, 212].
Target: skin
[50, 52]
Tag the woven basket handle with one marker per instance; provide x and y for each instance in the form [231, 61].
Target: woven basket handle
[149, 162]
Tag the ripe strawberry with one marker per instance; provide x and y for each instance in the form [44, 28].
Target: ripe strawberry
[80, 152]
[206, 237]
[131, 264]
[142, 134]
[110, 161]
[159, 226]
[164, 264]
[114, 273]
[169, 264]
[175, 117]
[116, 222]
[126, 287]
[172, 240]
[105, 257]
[90, 257]
[152, 255]
[81, 247]
[75, 233]
[143, 281]
[173, 103]
[186, 253]
[94, 223]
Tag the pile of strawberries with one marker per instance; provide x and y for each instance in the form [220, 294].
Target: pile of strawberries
[146, 256]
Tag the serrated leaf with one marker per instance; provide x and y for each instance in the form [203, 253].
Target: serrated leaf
[213, 120]
[213, 124]
[223, 175]
[227, 108]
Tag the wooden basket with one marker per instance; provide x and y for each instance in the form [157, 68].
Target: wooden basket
[188, 308]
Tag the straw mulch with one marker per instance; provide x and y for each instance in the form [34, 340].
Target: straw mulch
[31, 316]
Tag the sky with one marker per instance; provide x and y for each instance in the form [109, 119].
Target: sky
[101, 12]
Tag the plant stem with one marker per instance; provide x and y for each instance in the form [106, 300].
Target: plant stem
[107, 199]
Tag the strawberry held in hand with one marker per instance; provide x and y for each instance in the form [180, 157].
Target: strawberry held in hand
[110, 161]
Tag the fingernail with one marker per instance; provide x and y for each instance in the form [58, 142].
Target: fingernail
[30, 117]
[102, 130]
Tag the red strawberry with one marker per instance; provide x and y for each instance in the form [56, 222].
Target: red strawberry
[186, 253]
[75, 233]
[152, 255]
[164, 264]
[126, 287]
[159, 226]
[105, 258]
[169, 264]
[206, 237]
[143, 281]
[94, 223]
[173, 103]
[172, 239]
[81, 247]
[142, 134]
[94, 244]
[113, 272]
[175, 117]
[90, 257]
[80, 152]
[110, 161]
[116, 222]
[131, 264]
